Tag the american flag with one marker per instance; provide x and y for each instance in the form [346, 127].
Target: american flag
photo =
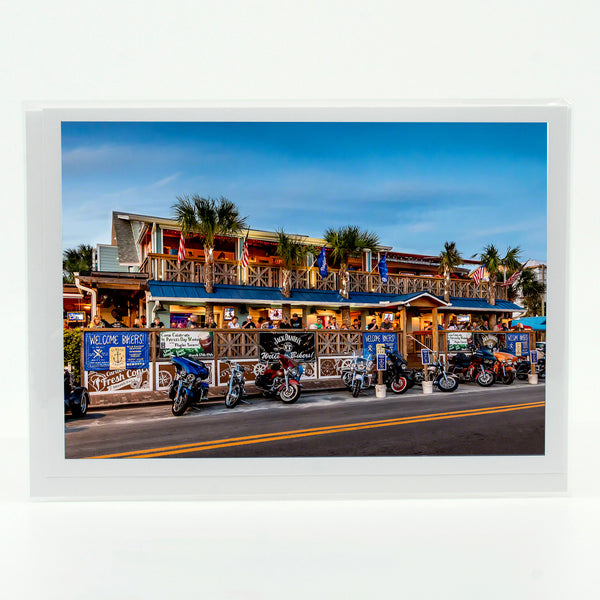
[181, 253]
[478, 274]
[245, 253]
[513, 277]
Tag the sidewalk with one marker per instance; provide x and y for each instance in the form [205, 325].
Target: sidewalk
[129, 399]
[132, 399]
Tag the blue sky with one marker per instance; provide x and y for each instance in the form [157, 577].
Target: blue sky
[417, 185]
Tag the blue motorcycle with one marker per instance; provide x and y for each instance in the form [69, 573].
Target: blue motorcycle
[188, 386]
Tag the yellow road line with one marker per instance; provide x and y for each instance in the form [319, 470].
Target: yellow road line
[299, 433]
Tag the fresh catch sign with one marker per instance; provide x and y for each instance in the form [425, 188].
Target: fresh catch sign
[299, 347]
[186, 343]
[458, 341]
[116, 350]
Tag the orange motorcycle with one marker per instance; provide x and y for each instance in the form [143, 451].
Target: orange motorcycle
[505, 367]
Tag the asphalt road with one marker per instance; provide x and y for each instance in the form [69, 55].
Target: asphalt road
[503, 420]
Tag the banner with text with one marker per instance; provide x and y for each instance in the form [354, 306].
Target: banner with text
[370, 341]
[300, 347]
[191, 344]
[116, 350]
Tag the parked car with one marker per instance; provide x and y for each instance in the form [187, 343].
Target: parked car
[77, 399]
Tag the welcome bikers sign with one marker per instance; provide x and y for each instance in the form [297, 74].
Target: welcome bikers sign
[299, 346]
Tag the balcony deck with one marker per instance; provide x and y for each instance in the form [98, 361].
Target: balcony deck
[164, 267]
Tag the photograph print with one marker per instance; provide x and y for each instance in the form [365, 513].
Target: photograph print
[249, 289]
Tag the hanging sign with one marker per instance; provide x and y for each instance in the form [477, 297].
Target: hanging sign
[518, 343]
[115, 350]
[372, 340]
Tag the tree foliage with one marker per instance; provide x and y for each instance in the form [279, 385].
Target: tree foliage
[72, 350]
[77, 260]
[349, 241]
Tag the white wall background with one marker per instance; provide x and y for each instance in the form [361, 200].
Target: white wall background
[350, 50]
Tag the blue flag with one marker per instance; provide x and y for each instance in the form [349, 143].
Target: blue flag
[322, 262]
[383, 272]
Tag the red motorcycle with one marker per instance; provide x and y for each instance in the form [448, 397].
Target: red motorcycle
[478, 367]
[281, 379]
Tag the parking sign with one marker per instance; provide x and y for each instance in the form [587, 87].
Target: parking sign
[381, 362]
[425, 358]
[534, 357]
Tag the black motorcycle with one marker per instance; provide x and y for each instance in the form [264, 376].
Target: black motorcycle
[436, 372]
[77, 399]
[236, 387]
[360, 374]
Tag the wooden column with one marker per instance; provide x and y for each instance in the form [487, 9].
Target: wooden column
[434, 328]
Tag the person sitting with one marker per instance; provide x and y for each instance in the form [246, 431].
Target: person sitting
[97, 321]
[249, 323]
[333, 324]
[372, 326]
[210, 324]
[192, 322]
[233, 324]
[387, 324]
[157, 323]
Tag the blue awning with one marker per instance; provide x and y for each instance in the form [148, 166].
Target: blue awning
[173, 291]
[536, 323]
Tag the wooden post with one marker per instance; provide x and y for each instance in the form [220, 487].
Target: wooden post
[532, 338]
[434, 329]
[152, 341]
[82, 359]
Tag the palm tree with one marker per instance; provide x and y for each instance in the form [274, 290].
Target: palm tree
[291, 252]
[531, 290]
[76, 260]
[491, 261]
[207, 218]
[510, 263]
[346, 242]
[450, 258]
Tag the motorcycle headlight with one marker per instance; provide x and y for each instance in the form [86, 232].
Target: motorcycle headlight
[509, 362]
[190, 379]
[361, 366]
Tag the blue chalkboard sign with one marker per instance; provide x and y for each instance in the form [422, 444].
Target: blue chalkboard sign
[109, 350]
[518, 343]
[370, 341]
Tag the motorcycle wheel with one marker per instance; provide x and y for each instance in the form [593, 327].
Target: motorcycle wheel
[522, 373]
[356, 389]
[446, 385]
[233, 397]
[347, 379]
[290, 395]
[485, 379]
[79, 410]
[509, 378]
[180, 404]
[399, 386]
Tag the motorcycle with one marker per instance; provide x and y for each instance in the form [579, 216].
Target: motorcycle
[504, 367]
[523, 368]
[77, 399]
[188, 386]
[235, 390]
[476, 367]
[437, 373]
[281, 379]
[360, 374]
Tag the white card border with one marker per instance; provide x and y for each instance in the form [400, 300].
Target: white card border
[54, 477]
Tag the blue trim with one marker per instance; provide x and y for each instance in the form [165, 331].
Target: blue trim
[236, 293]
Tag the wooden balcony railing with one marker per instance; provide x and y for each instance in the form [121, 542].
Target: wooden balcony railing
[164, 267]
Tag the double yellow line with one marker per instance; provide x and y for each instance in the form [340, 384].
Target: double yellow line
[300, 433]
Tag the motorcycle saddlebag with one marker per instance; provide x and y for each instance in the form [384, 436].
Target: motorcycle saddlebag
[462, 359]
[260, 381]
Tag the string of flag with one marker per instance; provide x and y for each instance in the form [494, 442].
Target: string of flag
[181, 252]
